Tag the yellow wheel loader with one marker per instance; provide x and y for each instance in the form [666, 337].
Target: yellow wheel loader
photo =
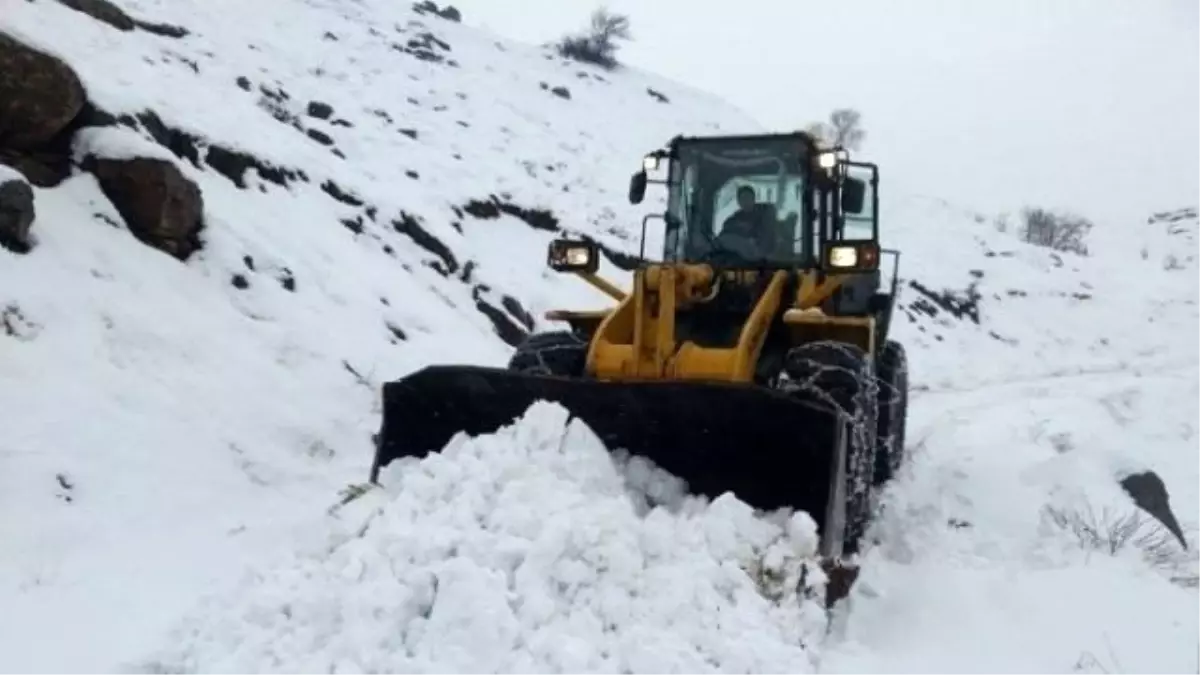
[753, 358]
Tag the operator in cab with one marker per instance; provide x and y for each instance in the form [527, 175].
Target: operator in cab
[753, 231]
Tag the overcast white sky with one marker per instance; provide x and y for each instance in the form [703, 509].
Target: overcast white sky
[1092, 105]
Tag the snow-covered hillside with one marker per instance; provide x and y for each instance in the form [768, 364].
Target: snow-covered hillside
[188, 420]
[379, 186]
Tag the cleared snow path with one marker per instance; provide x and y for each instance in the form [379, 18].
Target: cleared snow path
[971, 575]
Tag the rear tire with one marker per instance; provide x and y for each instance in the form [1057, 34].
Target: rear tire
[893, 411]
[846, 375]
[560, 353]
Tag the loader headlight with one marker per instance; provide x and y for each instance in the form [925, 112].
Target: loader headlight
[859, 256]
[829, 159]
[843, 257]
[567, 255]
[650, 162]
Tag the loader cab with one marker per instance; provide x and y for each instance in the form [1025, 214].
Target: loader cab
[813, 211]
[766, 201]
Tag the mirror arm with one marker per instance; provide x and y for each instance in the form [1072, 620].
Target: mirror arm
[603, 285]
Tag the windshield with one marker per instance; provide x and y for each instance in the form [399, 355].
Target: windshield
[738, 203]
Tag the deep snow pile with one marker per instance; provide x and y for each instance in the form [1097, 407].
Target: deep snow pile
[523, 552]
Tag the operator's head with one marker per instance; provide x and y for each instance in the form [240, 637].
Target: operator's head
[745, 196]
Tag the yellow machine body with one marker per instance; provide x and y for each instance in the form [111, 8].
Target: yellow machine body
[637, 340]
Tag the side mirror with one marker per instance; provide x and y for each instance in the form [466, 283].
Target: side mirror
[573, 255]
[637, 187]
[854, 193]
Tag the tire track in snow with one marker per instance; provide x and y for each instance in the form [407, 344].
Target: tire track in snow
[965, 576]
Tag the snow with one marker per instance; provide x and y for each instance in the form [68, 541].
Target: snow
[1000, 104]
[8, 175]
[519, 552]
[969, 553]
[116, 143]
[173, 445]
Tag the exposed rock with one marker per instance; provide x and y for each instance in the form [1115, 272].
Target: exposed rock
[163, 29]
[108, 13]
[449, 13]
[427, 47]
[103, 11]
[409, 225]
[16, 213]
[540, 219]
[960, 304]
[230, 163]
[39, 96]
[515, 308]
[334, 190]
[14, 324]
[44, 168]
[493, 206]
[319, 136]
[161, 206]
[398, 334]
[502, 323]
[1148, 491]
[319, 110]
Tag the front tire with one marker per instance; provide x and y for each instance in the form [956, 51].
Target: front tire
[559, 353]
[893, 412]
[844, 375]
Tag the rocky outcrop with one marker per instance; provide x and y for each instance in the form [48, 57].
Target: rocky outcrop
[108, 13]
[40, 97]
[161, 206]
[104, 11]
[16, 213]
[1148, 491]
[449, 13]
[43, 105]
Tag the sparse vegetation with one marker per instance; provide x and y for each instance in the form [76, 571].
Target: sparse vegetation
[599, 44]
[1064, 232]
[1109, 533]
[844, 129]
[349, 494]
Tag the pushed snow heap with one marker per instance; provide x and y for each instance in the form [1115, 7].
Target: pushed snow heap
[524, 551]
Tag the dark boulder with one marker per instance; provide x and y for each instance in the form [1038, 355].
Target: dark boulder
[162, 207]
[16, 213]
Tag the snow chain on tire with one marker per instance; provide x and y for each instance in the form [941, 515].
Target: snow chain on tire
[842, 376]
[560, 353]
[893, 410]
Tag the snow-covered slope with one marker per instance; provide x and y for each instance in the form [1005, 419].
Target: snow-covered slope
[170, 424]
[165, 425]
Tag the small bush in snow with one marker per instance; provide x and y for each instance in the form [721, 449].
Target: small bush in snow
[1110, 534]
[599, 44]
[349, 494]
[844, 128]
[1059, 231]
